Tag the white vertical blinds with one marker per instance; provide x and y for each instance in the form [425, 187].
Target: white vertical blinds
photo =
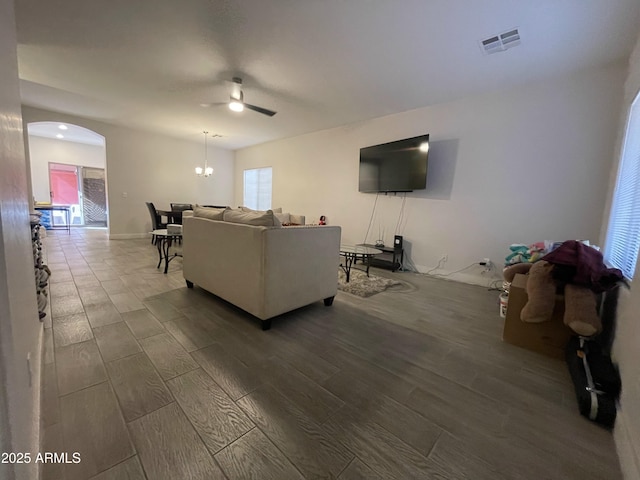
[257, 188]
[623, 234]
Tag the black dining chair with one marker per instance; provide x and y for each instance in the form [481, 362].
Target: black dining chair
[179, 208]
[156, 220]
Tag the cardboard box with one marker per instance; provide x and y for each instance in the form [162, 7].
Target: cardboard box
[548, 338]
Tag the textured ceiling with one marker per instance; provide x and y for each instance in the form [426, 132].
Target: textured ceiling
[151, 63]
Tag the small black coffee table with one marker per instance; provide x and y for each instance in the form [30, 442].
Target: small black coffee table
[353, 253]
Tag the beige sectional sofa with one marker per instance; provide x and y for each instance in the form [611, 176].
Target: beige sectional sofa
[265, 270]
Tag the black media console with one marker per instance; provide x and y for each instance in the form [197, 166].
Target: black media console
[390, 257]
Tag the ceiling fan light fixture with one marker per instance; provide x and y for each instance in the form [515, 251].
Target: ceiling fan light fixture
[236, 105]
[236, 100]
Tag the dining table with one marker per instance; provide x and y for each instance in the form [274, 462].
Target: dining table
[173, 216]
[66, 209]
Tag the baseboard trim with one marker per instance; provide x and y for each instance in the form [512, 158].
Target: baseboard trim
[628, 453]
[127, 236]
[468, 278]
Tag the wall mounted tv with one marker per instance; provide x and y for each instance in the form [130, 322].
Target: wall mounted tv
[399, 166]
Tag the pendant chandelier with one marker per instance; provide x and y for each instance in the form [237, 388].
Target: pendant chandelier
[206, 171]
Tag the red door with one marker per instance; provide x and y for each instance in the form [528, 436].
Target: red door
[64, 184]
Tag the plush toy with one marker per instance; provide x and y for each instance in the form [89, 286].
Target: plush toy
[541, 290]
[511, 271]
[581, 270]
[580, 311]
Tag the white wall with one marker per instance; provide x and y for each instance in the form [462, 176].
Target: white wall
[43, 151]
[512, 166]
[146, 167]
[20, 328]
[627, 341]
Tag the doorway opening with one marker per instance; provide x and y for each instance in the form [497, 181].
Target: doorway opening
[68, 167]
[83, 190]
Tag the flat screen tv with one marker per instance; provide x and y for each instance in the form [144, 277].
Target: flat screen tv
[399, 166]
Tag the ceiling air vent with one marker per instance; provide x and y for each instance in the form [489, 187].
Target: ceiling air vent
[501, 42]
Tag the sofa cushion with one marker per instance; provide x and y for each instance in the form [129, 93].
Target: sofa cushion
[265, 219]
[283, 217]
[274, 210]
[210, 213]
[297, 219]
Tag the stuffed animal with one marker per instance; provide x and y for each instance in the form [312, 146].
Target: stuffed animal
[581, 270]
[580, 311]
[511, 271]
[541, 290]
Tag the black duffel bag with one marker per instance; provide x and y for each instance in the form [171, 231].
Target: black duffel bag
[596, 380]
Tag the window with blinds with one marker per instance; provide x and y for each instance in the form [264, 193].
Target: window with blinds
[623, 233]
[257, 188]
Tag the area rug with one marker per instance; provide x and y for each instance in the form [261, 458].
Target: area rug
[363, 286]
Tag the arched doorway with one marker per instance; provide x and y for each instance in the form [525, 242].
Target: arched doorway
[68, 167]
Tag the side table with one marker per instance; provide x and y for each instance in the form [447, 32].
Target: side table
[164, 240]
[391, 258]
[58, 208]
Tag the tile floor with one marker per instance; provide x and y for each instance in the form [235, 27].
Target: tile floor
[147, 379]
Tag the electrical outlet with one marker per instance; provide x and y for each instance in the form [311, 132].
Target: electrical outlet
[488, 266]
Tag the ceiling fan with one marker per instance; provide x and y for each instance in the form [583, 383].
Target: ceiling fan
[237, 103]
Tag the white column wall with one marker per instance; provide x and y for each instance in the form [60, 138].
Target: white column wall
[20, 328]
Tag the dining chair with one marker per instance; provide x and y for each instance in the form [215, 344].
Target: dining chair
[76, 214]
[59, 217]
[181, 207]
[178, 208]
[156, 220]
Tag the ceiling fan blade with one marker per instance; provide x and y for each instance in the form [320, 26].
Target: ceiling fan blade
[212, 104]
[264, 111]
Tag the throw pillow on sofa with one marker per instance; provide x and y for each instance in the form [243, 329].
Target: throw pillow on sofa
[274, 210]
[266, 219]
[210, 213]
[284, 218]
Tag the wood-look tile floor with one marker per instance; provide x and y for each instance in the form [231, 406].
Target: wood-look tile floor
[148, 379]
